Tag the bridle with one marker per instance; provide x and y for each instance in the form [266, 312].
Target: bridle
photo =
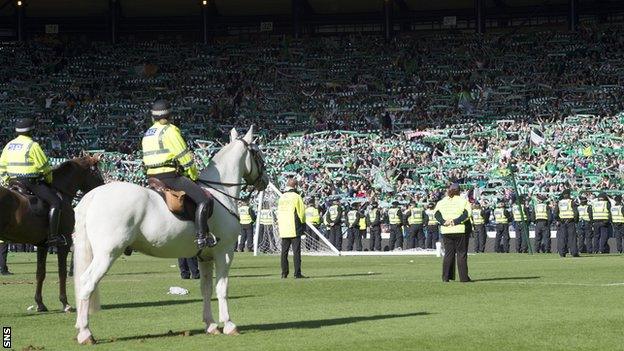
[258, 162]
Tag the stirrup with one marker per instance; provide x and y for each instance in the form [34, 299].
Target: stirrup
[203, 241]
[57, 241]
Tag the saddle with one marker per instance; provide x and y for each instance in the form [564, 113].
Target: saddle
[36, 204]
[174, 199]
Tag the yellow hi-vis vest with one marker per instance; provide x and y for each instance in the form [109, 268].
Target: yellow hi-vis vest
[565, 209]
[333, 212]
[245, 216]
[451, 208]
[477, 219]
[362, 223]
[541, 212]
[415, 216]
[499, 216]
[583, 213]
[600, 210]
[372, 216]
[393, 216]
[266, 217]
[351, 217]
[163, 147]
[431, 214]
[23, 158]
[518, 213]
[616, 214]
[312, 215]
[289, 206]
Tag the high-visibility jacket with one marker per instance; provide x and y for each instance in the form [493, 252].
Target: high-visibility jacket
[362, 223]
[600, 210]
[519, 213]
[266, 217]
[245, 215]
[352, 218]
[499, 216]
[583, 211]
[451, 208]
[22, 157]
[373, 216]
[430, 212]
[164, 149]
[333, 213]
[565, 209]
[290, 215]
[616, 214]
[541, 212]
[393, 215]
[477, 218]
[312, 215]
[416, 216]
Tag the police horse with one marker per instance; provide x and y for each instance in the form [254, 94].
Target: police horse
[118, 215]
[24, 218]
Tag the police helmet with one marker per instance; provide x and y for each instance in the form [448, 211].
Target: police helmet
[24, 125]
[161, 109]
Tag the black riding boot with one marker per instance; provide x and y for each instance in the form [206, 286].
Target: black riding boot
[54, 219]
[204, 237]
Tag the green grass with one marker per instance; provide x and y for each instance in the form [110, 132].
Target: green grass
[519, 302]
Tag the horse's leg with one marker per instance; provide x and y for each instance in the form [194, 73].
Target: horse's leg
[223, 260]
[42, 255]
[205, 270]
[62, 271]
[88, 283]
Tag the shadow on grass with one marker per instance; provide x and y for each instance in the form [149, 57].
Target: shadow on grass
[504, 278]
[163, 303]
[252, 275]
[311, 324]
[345, 275]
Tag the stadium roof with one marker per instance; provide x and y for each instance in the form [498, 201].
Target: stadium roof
[170, 8]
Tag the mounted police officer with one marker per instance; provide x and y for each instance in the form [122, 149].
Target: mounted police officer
[23, 160]
[168, 158]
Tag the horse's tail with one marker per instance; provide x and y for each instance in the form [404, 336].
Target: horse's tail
[83, 253]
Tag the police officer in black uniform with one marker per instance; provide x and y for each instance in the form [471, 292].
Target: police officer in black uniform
[394, 218]
[4, 250]
[566, 214]
[480, 218]
[502, 218]
[414, 217]
[584, 231]
[353, 223]
[541, 216]
[433, 230]
[521, 218]
[601, 215]
[334, 214]
[373, 221]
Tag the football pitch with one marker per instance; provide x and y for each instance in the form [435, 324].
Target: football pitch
[517, 302]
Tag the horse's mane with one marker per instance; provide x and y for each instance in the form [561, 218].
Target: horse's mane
[60, 172]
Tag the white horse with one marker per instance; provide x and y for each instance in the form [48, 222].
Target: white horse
[117, 215]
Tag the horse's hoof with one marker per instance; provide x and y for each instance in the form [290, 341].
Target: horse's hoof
[68, 309]
[234, 332]
[213, 331]
[229, 328]
[42, 308]
[88, 341]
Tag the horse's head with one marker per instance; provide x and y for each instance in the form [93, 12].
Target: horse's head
[81, 173]
[252, 162]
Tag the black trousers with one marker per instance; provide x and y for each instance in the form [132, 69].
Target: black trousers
[480, 237]
[4, 250]
[353, 236]
[43, 191]
[415, 236]
[188, 266]
[432, 236]
[335, 236]
[585, 237]
[455, 249]
[396, 236]
[375, 238]
[501, 241]
[542, 236]
[601, 235]
[522, 246]
[566, 239]
[296, 248]
[246, 237]
[618, 234]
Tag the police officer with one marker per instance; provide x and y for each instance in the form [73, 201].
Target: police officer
[601, 214]
[247, 218]
[521, 218]
[4, 250]
[167, 158]
[542, 217]
[313, 218]
[373, 221]
[394, 220]
[480, 217]
[23, 160]
[265, 232]
[334, 214]
[617, 221]
[567, 215]
[353, 224]
[431, 224]
[415, 216]
[585, 235]
[188, 267]
[502, 217]
[362, 228]
[290, 222]
[453, 214]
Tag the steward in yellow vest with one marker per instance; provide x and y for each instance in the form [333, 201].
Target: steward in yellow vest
[617, 219]
[290, 223]
[23, 160]
[312, 214]
[266, 217]
[168, 158]
[246, 214]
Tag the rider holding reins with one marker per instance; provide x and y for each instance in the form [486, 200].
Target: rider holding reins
[168, 158]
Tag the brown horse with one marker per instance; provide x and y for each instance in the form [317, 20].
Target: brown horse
[24, 219]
